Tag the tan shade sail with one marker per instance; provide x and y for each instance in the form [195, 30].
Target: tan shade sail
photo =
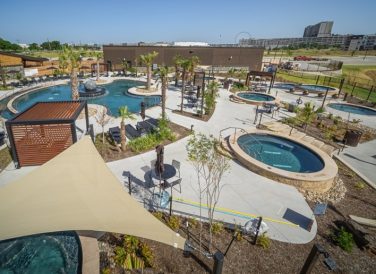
[76, 191]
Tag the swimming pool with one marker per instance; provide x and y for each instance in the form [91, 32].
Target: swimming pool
[58, 252]
[255, 96]
[353, 109]
[116, 96]
[280, 153]
[310, 88]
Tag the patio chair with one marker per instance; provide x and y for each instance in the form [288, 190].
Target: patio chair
[173, 183]
[115, 134]
[176, 164]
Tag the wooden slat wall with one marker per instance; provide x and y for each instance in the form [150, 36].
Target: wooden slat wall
[37, 144]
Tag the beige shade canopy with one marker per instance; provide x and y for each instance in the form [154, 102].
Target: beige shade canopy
[76, 191]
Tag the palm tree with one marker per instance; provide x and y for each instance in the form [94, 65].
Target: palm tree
[177, 64]
[307, 114]
[163, 74]
[98, 55]
[147, 60]
[72, 60]
[195, 61]
[124, 113]
[185, 64]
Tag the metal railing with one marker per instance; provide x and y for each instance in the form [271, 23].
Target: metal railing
[244, 131]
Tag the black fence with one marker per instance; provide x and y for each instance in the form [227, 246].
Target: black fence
[360, 88]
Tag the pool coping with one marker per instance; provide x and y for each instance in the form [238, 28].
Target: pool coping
[320, 181]
[27, 91]
[254, 102]
[134, 91]
[355, 105]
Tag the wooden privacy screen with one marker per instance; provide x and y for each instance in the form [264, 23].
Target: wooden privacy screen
[37, 144]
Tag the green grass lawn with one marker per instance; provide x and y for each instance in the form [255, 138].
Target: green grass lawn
[316, 52]
[55, 53]
[366, 72]
[359, 92]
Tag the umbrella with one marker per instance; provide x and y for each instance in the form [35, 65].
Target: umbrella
[142, 110]
[159, 166]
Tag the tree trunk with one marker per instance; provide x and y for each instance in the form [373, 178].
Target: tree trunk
[164, 87]
[74, 84]
[3, 78]
[122, 136]
[97, 69]
[148, 71]
[102, 135]
[176, 76]
[182, 91]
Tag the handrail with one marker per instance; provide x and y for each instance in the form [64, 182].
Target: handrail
[242, 130]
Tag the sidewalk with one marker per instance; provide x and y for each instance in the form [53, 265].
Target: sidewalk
[362, 160]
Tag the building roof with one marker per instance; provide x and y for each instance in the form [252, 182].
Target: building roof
[76, 191]
[24, 57]
[50, 111]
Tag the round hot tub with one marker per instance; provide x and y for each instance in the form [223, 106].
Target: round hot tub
[354, 109]
[285, 159]
[254, 98]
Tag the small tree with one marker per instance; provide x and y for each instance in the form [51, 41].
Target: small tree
[177, 65]
[98, 56]
[3, 75]
[102, 119]
[147, 60]
[163, 74]
[307, 114]
[210, 167]
[124, 113]
[71, 59]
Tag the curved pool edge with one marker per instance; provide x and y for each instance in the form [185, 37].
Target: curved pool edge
[134, 91]
[353, 105]
[320, 181]
[30, 90]
[253, 102]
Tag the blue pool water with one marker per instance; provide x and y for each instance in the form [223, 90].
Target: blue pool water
[116, 96]
[352, 109]
[312, 88]
[255, 96]
[58, 252]
[280, 153]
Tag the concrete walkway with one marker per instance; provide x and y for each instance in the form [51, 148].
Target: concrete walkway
[245, 195]
[361, 159]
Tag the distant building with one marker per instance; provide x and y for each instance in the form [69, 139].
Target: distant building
[322, 29]
[191, 44]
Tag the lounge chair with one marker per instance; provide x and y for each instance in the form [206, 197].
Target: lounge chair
[115, 134]
[131, 132]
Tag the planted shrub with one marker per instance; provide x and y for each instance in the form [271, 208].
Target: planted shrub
[158, 215]
[217, 228]
[173, 222]
[264, 241]
[359, 185]
[344, 240]
[192, 222]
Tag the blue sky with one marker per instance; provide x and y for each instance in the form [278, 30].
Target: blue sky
[220, 21]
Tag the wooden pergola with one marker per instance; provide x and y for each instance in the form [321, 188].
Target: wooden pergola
[270, 75]
[44, 130]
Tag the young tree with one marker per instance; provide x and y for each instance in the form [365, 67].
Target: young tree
[3, 75]
[102, 119]
[177, 65]
[185, 64]
[307, 114]
[72, 61]
[163, 74]
[124, 113]
[210, 167]
[147, 60]
[98, 56]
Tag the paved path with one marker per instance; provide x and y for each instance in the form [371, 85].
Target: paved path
[362, 159]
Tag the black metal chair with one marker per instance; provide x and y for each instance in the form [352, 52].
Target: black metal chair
[115, 134]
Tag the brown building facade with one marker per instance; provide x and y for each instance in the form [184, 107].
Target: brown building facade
[209, 56]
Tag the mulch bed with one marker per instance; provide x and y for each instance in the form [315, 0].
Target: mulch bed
[243, 257]
[205, 117]
[110, 152]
